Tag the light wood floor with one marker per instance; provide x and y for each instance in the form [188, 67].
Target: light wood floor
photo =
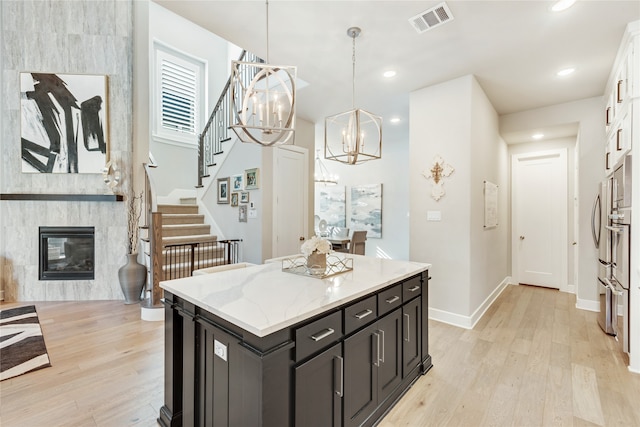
[533, 359]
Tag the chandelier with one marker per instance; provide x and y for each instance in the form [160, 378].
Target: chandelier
[354, 136]
[322, 175]
[263, 100]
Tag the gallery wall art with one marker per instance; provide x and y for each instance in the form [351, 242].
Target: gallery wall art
[330, 205]
[366, 209]
[63, 123]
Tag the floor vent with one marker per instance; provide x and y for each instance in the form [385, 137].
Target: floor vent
[431, 18]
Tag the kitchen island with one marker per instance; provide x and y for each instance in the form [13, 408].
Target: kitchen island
[259, 346]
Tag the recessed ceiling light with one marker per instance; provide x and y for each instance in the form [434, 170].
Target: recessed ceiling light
[561, 5]
[537, 136]
[565, 72]
[394, 120]
[389, 74]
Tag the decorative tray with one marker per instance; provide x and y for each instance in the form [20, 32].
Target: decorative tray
[335, 265]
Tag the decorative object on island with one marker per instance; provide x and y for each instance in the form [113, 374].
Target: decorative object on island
[316, 250]
[252, 179]
[63, 120]
[366, 209]
[264, 108]
[322, 175]
[439, 170]
[132, 275]
[354, 136]
[335, 264]
[223, 190]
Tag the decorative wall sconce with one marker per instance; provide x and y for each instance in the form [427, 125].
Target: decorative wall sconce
[439, 170]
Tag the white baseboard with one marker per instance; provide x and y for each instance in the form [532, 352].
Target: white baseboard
[589, 305]
[570, 289]
[468, 322]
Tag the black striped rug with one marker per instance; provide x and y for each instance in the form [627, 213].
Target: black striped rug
[22, 347]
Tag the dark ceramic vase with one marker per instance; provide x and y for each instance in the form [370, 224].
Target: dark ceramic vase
[132, 276]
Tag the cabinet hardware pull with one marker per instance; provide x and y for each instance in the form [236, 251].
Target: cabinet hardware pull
[413, 288]
[338, 372]
[606, 161]
[608, 117]
[618, 139]
[618, 90]
[393, 299]
[382, 350]
[376, 355]
[362, 314]
[322, 334]
[408, 319]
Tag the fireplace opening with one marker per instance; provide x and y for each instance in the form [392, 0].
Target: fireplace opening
[67, 253]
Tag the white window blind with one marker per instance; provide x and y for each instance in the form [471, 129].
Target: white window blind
[179, 89]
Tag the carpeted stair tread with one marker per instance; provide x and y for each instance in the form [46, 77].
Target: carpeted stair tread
[171, 219]
[177, 209]
[189, 239]
[173, 230]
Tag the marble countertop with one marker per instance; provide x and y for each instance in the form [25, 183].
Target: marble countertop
[263, 299]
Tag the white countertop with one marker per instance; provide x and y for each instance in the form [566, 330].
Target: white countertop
[263, 299]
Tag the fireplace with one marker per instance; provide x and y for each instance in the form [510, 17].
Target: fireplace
[67, 253]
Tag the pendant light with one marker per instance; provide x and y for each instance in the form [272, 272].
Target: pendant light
[355, 136]
[322, 175]
[263, 100]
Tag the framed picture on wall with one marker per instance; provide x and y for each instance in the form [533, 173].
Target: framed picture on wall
[234, 199]
[242, 213]
[237, 182]
[252, 179]
[63, 123]
[244, 197]
[223, 190]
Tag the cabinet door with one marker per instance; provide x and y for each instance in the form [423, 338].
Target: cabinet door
[361, 355]
[390, 363]
[318, 389]
[411, 336]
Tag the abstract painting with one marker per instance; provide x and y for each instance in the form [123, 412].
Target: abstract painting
[63, 123]
[366, 209]
[330, 205]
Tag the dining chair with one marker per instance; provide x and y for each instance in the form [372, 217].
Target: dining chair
[357, 244]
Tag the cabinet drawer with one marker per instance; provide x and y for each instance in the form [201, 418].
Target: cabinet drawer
[360, 314]
[389, 299]
[411, 288]
[317, 335]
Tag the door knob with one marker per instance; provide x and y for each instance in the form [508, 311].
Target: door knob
[521, 237]
[302, 238]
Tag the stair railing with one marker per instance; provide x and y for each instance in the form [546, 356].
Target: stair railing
[180, 260]
[216, 131]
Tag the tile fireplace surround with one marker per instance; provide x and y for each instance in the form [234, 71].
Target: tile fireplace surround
[19, 246]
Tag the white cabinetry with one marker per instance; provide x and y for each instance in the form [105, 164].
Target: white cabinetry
[623, 97]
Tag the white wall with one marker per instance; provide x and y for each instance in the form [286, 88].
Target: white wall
[455, 121]
[588, 113]
[183, 35]
[392, 171]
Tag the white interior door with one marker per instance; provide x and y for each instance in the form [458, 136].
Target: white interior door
[291, 207]
[539, 218]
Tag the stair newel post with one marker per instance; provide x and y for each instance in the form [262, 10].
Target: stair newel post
[200, 159]
[156, 258]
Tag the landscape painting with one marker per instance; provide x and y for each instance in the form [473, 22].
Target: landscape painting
[63, 123]
[330, 205]
[366, 209]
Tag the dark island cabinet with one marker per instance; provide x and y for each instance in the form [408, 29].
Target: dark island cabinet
[319, 387]
[344, 367]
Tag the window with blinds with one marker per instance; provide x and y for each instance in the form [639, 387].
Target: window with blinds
[179, 98]
[178, 95]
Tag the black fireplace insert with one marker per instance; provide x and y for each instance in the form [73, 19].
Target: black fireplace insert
[67, 253]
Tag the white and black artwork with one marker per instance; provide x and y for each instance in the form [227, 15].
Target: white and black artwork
[63, 123]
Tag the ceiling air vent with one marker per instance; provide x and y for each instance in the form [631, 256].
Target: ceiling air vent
[431, 18]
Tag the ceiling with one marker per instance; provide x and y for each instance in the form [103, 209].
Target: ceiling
[514, 48]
